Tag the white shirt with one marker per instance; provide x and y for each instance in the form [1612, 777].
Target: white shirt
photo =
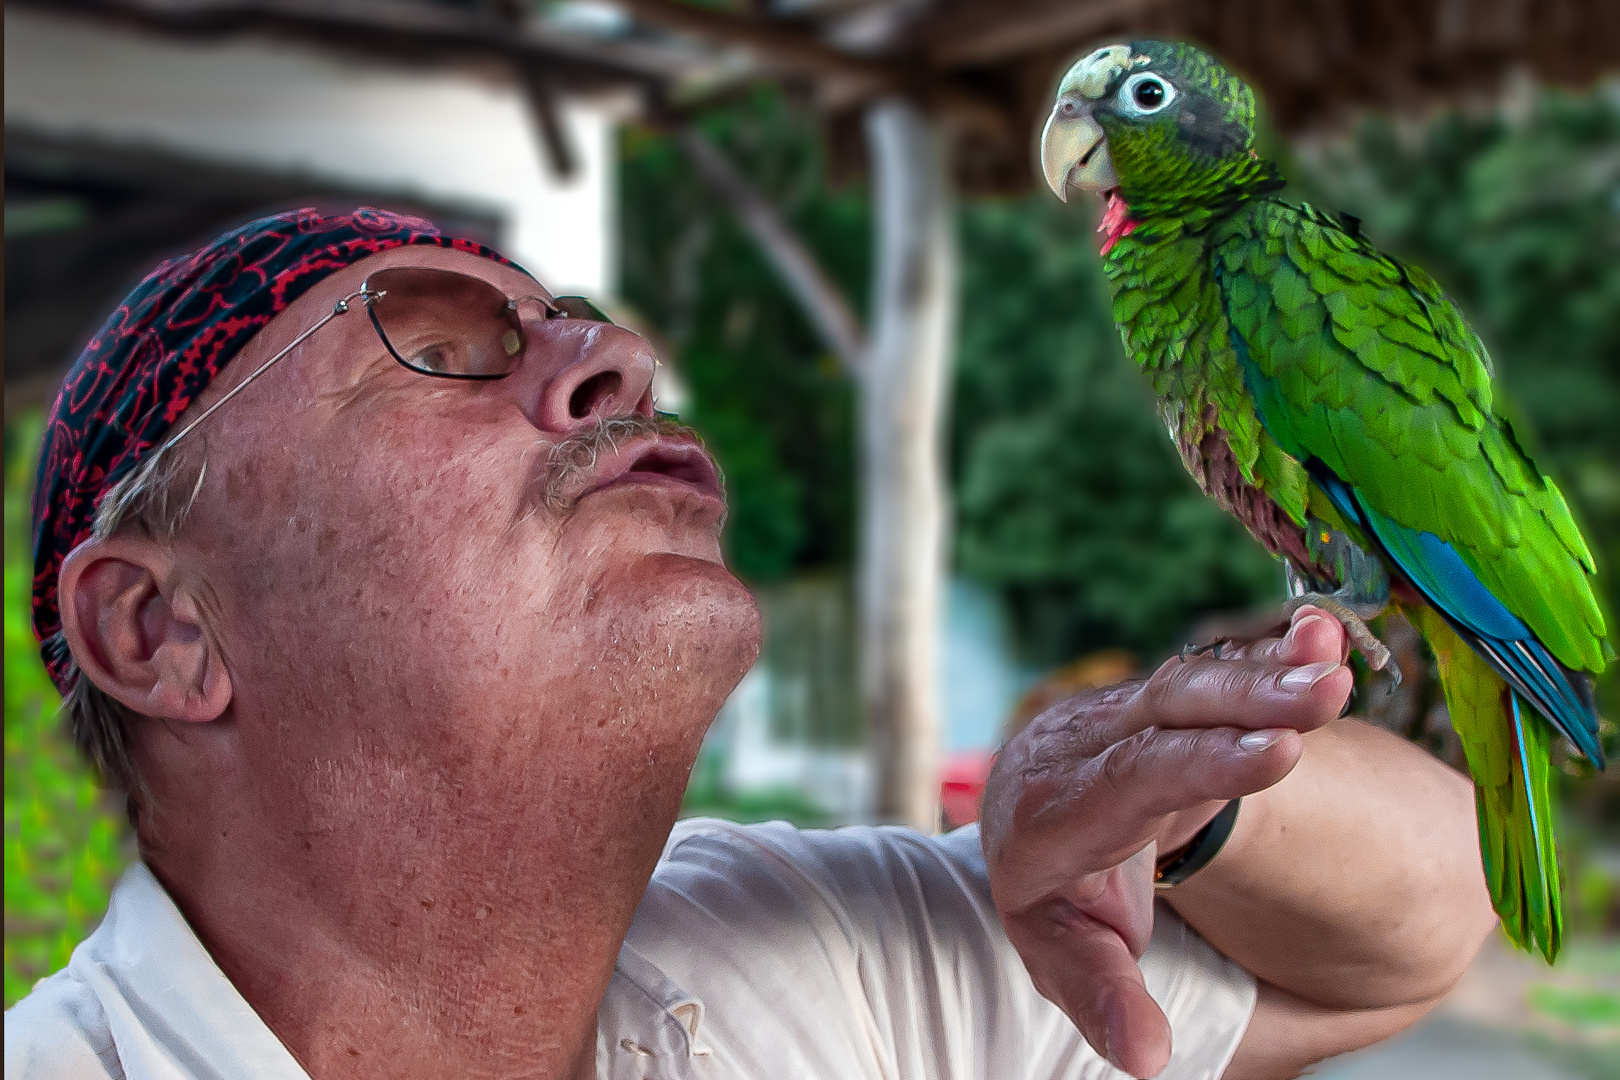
[759, 951]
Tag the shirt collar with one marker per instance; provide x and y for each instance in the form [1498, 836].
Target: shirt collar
[166, 1001]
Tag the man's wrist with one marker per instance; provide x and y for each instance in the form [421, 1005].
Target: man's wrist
[1193, 856]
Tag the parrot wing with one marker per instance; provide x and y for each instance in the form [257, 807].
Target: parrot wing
[1364, 370]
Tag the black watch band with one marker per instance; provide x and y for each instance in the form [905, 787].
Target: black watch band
[1182, 864]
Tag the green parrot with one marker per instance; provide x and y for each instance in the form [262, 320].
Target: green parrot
[1335, 401]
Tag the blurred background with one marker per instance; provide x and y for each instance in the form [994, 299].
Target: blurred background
[949, 489]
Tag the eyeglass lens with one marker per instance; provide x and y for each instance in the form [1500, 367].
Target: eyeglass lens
[454, 325]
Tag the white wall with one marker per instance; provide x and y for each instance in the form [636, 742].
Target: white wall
[440, 134]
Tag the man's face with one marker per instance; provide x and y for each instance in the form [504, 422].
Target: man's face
[396, 602]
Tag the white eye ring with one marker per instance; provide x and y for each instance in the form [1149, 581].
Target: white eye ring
[1131, 105]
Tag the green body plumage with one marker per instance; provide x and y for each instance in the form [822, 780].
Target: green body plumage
[1284, 348]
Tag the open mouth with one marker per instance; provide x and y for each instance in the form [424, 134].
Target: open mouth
[668, 464]
[687, 464]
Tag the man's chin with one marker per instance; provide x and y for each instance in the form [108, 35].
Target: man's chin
[683, 627]
[683, 577]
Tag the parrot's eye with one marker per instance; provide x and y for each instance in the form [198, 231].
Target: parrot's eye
[1145, 93]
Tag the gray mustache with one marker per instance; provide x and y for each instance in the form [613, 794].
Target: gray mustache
[571, 464]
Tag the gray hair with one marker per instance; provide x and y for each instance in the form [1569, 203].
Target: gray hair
[148, 499]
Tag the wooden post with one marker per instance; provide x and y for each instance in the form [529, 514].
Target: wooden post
[902, 488]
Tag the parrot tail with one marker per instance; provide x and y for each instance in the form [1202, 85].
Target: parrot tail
[1508, 747]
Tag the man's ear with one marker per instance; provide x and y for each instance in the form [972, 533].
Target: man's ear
[137, 634]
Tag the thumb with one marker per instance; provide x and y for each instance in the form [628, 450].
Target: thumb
[1082, 955]
[1090, 974]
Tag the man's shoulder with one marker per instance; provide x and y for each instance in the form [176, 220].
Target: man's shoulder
[751, 903]
[848, 857]
[851, 882]
[60, 1032]
[141, 998]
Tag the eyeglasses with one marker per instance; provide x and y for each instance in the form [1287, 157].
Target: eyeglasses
[441, 323]
[456, 326]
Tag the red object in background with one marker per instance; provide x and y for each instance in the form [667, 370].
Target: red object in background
[961, 785]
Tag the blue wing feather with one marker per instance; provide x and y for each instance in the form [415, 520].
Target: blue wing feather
[1436, 569]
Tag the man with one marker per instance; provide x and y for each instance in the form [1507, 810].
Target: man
[372, 577]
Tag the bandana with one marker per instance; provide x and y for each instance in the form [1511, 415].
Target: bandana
[161, 348]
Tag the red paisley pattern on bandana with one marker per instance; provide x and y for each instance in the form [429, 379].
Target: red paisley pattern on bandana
[162, 347]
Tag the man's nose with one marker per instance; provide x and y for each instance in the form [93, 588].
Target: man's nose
[583, 371]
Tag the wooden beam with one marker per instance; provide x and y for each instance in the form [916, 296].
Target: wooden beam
[559, 148]
[781, 47]
[801, 53]
[426, 33]
[979, 35]
[414, 32]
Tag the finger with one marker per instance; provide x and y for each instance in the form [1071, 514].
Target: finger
[1243, 693]
[1090, 720]
[1198, 692]
[1313, 635]
[1102, 814]
[1086, 969]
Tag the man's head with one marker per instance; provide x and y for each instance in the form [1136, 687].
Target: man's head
[377, 594]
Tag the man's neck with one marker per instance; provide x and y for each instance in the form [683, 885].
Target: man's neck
[453, 939]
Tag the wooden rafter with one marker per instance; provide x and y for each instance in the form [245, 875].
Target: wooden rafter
[418, 32]
[799, 52]
[982, 34]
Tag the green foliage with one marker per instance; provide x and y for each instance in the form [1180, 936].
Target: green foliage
[65, 841]
[769, 400]
[1070, 498]
[1578, 1006]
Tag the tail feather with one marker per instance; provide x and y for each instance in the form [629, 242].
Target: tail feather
[1533, 785]
[1508, 751]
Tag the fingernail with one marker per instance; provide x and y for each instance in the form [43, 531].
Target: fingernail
[1299, 625]
[1257, 741]
[1301, 679]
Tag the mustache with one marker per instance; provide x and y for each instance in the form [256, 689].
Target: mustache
[570, 465]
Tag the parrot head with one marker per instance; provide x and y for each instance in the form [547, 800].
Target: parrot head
[1150, 125]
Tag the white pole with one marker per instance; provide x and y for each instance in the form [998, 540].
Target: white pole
[902, 490]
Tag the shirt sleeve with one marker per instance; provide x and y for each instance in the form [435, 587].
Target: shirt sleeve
[889, 939]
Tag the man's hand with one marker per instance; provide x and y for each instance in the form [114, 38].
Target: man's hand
[1080, 803]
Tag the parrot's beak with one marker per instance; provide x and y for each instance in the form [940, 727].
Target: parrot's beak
[1074, 152]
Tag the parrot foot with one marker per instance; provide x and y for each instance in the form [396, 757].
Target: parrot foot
[1353, 618]
[1211, 648]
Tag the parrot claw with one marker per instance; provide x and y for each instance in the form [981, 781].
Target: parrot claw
[1213, 648]
[1362, 639]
